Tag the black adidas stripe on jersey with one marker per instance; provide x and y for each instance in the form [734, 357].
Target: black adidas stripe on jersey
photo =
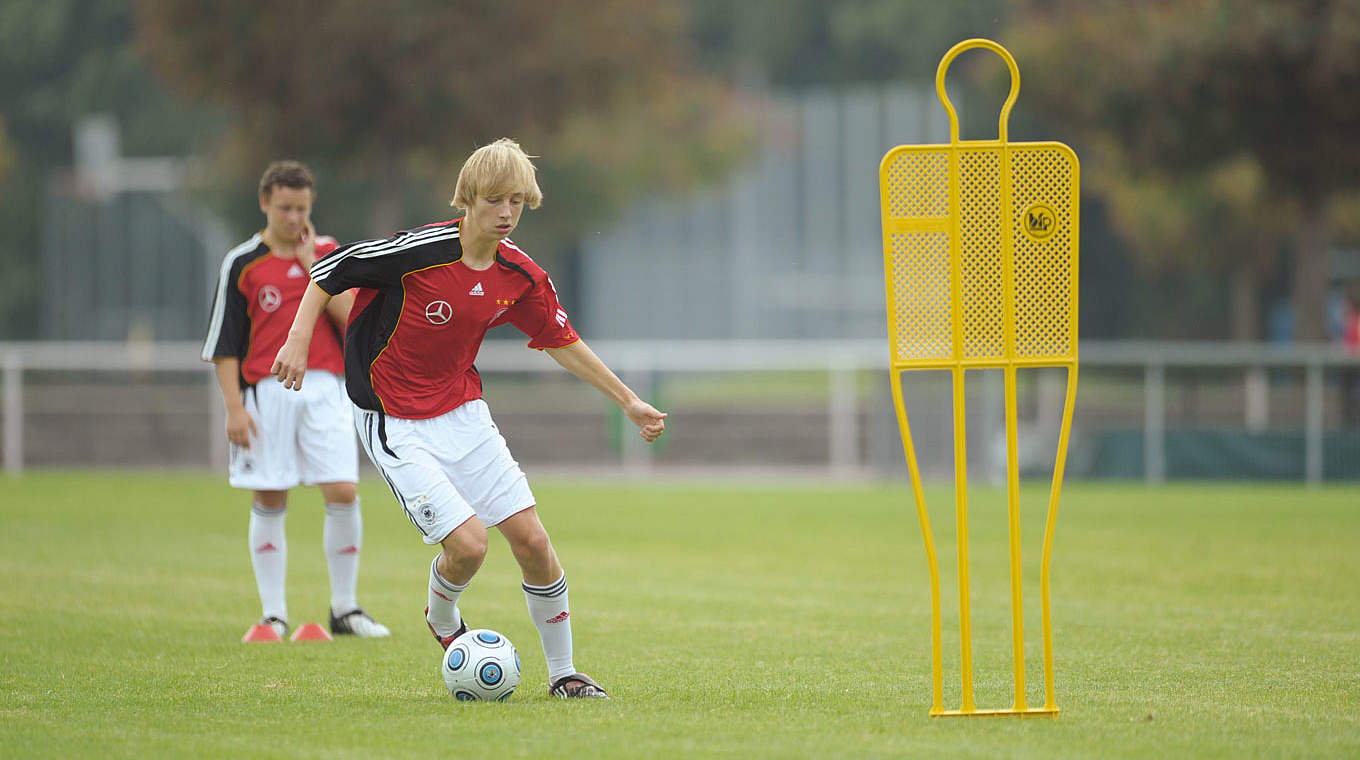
[515, 267]
[368, 249]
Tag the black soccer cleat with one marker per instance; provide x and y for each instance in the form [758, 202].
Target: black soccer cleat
[358, 623]
[577, 686]
[445, 641]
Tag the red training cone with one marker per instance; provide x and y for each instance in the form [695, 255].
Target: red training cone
[260, 634]
[310, 632]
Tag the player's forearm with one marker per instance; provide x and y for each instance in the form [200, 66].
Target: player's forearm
[314, 302]
[228, 370]
[580, 361]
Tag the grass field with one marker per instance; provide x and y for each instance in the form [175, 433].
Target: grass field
[727, 621]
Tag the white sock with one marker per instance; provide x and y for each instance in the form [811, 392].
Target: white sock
[444, 616]
[342, 535]
[552, 616]
[269, 557]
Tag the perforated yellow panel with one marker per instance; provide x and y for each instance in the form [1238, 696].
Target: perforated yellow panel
[917, 185]
[920, 284]
[994, 235]
[1045, 266]
[980, 253]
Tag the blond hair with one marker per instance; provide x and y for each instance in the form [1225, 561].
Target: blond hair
[500, 168]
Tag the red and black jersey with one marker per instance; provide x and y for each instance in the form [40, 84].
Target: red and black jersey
[420, 316]
[257, 297]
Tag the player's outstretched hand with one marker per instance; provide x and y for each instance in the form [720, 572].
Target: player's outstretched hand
[290, 365]
[651, 422]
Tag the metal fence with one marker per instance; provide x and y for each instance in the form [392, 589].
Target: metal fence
[1151, 411]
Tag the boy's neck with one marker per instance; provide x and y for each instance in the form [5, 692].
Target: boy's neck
[277, 245]
[478, 252]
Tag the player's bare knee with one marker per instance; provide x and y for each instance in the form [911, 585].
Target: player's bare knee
[271, 500]
[339, 493]
[532, 546]
[467, 542]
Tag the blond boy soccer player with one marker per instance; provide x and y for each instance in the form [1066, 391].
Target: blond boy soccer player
[426, 299]
[280, 440]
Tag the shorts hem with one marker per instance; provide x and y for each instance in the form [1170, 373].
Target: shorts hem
[447, 533]
[328, 480]
[513, 512]
[263, 487]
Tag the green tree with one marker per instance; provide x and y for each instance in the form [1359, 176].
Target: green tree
[1213, 129]
[401, 92]
[1221, 221]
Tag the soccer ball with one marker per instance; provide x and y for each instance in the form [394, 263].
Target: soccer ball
[480, 665]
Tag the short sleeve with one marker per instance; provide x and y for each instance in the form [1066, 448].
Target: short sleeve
[229, 321]
[540, 316]
[365, 264]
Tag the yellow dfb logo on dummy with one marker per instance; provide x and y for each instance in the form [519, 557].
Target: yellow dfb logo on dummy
[1040, 222]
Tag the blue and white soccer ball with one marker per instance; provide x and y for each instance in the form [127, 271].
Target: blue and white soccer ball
[480, 665]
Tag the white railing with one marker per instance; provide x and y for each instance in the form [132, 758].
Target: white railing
[1254, 358]
[639, 361]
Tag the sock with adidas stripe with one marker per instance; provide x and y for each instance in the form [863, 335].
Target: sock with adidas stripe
[269, 558]
[552, 616]
[444, 616]
[342, 534]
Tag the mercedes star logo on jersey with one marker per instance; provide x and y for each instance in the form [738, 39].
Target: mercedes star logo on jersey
[270, 298]
[438, 312]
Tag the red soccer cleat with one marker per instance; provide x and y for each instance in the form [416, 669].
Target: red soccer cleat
[444, 641]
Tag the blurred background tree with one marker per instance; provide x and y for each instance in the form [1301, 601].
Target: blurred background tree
[1218, 221]
[393, 97]
[798, 43]
[1214, 137]
[1221, 134]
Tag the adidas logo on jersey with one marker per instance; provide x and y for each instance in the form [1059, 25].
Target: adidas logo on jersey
[476, 290]
[296, 271]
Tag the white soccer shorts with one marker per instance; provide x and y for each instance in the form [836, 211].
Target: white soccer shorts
[446, 469]
[303, 437]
